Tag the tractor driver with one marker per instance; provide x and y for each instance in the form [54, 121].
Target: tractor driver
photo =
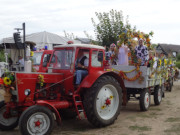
[81, 66]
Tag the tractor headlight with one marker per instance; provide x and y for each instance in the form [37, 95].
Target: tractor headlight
[27, 92]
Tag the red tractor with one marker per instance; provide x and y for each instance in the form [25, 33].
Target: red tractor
[35, 97]
[41, 60]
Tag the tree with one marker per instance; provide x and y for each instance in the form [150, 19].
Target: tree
[110, 26]
[153, 46]
[91, 39]
[2, 56]
[178, 57]
[69, 35]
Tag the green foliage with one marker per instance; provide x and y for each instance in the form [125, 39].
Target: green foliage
[91, 39]
[178, 64]
[153, 46]
[109, 27]
[2, 56]
[178, 57]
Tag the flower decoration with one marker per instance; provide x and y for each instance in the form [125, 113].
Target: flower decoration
[41, 80]
[1, 81]
[159, 62]
[127, 38]
[124, 76]
[7, 81]
[165, 62]
[31, 53]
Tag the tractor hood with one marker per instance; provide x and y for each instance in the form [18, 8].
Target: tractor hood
[29, 82]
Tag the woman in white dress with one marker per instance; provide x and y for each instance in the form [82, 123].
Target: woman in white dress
[123, 55]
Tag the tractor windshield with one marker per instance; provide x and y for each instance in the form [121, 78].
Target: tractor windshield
[37, 58]
[62, 59]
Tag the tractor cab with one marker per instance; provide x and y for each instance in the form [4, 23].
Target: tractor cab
[65, 57]
[41, 60]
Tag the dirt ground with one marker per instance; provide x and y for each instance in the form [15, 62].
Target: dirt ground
[159, 120]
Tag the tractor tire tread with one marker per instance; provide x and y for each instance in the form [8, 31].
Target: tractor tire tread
[89, 98]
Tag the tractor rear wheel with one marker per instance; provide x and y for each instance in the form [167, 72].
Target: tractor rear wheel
[6, 122]
[36, 120]
[157, 95]
[102, 102]
[145, 100]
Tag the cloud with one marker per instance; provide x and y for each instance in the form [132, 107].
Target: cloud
[55, 16]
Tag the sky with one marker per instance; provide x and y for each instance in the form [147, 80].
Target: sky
[74, 16]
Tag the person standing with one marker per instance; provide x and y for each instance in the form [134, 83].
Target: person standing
[123, 55]
[112, 54]
[21, 63]
[141, 52]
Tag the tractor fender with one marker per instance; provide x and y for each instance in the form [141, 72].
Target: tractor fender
[47, 104]
[90, 79]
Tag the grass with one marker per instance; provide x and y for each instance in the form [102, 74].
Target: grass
[143, 115]
[153, 114]
[168, 102]
[139, 128]
[173, 129]
[132, 118]
[155, 109]
[171, 119]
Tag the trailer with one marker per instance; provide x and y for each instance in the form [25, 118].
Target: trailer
[150, 82]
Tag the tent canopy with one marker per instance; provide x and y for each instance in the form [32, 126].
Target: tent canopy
[41, 39]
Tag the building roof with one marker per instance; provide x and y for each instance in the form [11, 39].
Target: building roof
[81, 45]
[168, 48]
[84, 40]
[41, 39]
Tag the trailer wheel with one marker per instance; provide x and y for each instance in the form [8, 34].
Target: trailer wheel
[163, 91]
[36, 120]
[102, 102]
[169, 88]
[157, 95]
[144, 100]
[6, 123]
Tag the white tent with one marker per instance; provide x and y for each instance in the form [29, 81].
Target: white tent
[42, 39]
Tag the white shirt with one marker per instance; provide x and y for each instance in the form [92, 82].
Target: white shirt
[21, 61]
[86, 61]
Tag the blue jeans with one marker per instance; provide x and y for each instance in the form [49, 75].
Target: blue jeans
[79, 75]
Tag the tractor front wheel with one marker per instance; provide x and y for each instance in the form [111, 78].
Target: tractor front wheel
[102, 102]
[36, 120]
[7, 122]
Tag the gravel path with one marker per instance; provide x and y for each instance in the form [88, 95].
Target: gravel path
[159, 120]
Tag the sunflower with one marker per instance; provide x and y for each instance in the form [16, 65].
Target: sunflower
[165, 62]
[7, 81]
